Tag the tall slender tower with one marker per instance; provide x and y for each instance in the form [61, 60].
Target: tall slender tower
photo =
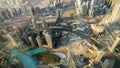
[115, 44]
[39, 41]
[48, 38]
[31, 41]
[12, 39]
[91, 11]
[78, 6]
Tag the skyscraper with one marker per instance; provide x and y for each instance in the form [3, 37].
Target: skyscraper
[48, 38]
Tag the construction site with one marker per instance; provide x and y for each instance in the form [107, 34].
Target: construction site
[59, 34]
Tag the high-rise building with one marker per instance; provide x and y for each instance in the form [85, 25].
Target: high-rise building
[39, 41]
[14, 38]
[41, 24]
[53, 3]
[31, 41]
[84, 7]
[115, 44]
[25, 37]
[91, 11]
[78, 6]
[10, 36]
[48, 38]
[108, 63]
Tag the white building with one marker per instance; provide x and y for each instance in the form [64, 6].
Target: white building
[91, 11]
[53, 3]
[78, 6]
[84, 7]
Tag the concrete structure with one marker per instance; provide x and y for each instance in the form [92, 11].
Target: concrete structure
[31, 41]
[115, 44]
[71, 43]
[91, 11]
[12, 8]
[12, 40]
[100, 56]
[40, 24]
[39, 41]
[78, 7]
[53, 3]
[25, 37]
[84, 7]
[33, 23]
[48, 38]
[108, 63]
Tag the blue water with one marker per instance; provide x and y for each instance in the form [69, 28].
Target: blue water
[26, 59]
[36, 51]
